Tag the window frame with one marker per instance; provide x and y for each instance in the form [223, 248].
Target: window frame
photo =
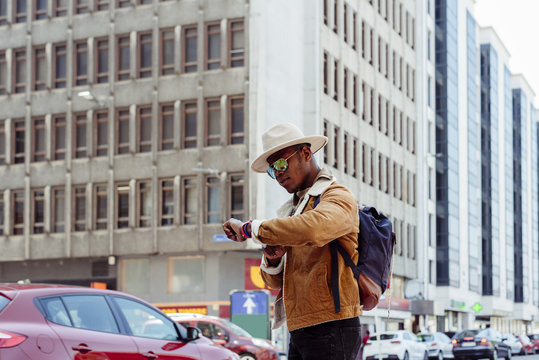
[232, 57]
[18, 125]
[58, 153]
[166, 143]
[192, 66]
[58, 11]
[57, 226]
[144, 113]
[78, 120]
[79, 191]
[144, 38]
[37, 227]
[239, 182]
[165, 67]
[210, 107]
[188, 107]
[121, 188]
[233, 102]
[59, 50]
[122, 115]
[3, 67]
[100, 149]
[39, 79]
[101, 44]
[38, 125]
[80, 48]
[212, 29]
[18, 15]
[162, 189]
[187, 183]
[123, 41]
[144, 220]
[19, 59]
[17, 196]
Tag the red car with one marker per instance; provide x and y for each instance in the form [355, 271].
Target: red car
[534, 338]
[230, 336]
[527, 345]
[55, 322]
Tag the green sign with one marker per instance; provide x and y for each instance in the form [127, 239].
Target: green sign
[458, 304]
[477, 307]
[249, 309]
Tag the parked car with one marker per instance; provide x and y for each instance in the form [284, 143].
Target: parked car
[230, 336]
[535, 340]
[527, 345]
[438, 344]
[513, 342]
[55, 322]
[480, 343]
[399, 344]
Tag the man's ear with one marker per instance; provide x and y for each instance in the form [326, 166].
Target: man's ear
[306, 153]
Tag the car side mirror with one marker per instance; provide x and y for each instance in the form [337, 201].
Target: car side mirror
[193, 333]
[504, 339]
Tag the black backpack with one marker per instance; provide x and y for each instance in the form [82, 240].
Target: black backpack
[376, 241]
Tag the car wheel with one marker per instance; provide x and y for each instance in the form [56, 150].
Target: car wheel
[440, 356]
[508, 357]
[494, 355]
[247, 356]
[406, 357]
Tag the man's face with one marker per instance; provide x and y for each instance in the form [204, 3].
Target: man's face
[294, 176]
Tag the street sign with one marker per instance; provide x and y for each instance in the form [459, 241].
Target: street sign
[249, 309]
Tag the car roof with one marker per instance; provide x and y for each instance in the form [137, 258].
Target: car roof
[11, 289]
[192, 316]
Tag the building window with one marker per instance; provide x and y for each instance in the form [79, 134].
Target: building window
[17, 200]
[3, 12]
[101, 5]
[354, 94]
[145, 55]
[237, 120]
[3, 72]
[38, 211]
[123, 57]
[345, 88]
[102, 61]
[81, 6]
[345, 23]
[335, 16]
[336, 144]
[167, 202]
[19, 70]
[136, 276]
[167, 52]
[213, 200]
[59, 66]
[144, 204]
[81, 63]
[122, 201]
[100, 200]
[2, 142]
[190, 201]
[236, 43]
[325, 147]
[326, 73]
[20, 11]
[144, 129]
[79, 208]
[166, 127]
[190, 49]
[79, 136]
[1, 213]
[18, 142]
[354, 158]
[237, 208]
[101, 130]
[213, 47]
[123, 3]
[59, 137]
[336, 80]
[122, 131]
[186, 274]
[60, 8]
[345, 153]
[38, 139]
[364, 162]
[354, 30]
[189, 124]
[213, 122]
[58, 211]
[40, 68]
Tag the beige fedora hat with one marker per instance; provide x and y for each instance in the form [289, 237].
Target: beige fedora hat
[282, 136]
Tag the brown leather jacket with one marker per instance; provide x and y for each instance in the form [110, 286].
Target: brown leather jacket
[305, 278]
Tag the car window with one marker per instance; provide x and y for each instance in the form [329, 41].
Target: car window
[147, 322]
[387, 336]
[206, 329]
[3, 302]
[56, 311]
[236, 329]
[90, 312]
[467, 333]
[426, 337]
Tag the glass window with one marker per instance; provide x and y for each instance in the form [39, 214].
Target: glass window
[213, 200]
[2, 142]
[167, 202]
[186, 274]
[237, 120]
[102, 5]
[81, 6]
[58, 210]
[166, 127]
[123, 57]
[122, 128]
[236, 43]
[122, 201]
[213, 122]
[123, 3]
[90, 312]
[20, 11]
[56, 312]
[59, 66]
[237, 208]
[19, 65]
[136, 276]
[190, 200]
[59, 137]
[81, 63]
[100, 207]
[101, 133]
[145, 204]
[167, 52]
[144, 129]
[1, 214]
[145, 55]
[38, 153]
[3, 72]
[189, 124]
[213, 49]
[40, 68]
[146, 322]
[60, 8]
[18, 212]
[3, 12]
[79, 205]
[79, 136]
[326, 72]
[190, 49]
[102, 61]
[38, 211]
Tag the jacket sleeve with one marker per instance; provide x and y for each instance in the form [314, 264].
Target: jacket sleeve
[272, 276]
[334, 216]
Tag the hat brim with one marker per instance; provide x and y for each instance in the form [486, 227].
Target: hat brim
[260, 164]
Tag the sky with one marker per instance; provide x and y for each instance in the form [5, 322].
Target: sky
[517, 24]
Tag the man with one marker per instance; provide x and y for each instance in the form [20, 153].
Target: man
[297, 256]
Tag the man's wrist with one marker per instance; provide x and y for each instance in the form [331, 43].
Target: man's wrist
[246, 230]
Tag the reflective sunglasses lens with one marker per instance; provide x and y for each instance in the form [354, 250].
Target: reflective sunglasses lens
[271, 172]
[280, 165]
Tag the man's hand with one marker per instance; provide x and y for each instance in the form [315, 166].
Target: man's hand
[232, 230]
[274, 253]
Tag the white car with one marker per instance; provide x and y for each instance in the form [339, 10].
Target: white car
[398, 344]
[438, 344]
[513, 342]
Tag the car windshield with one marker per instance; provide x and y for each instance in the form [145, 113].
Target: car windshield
[236, 329]
[534, 336]
[426, 337]
[467, 333]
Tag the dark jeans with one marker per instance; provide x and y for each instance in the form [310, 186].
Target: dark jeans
[334, 340]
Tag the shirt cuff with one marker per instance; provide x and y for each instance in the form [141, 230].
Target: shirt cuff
[272, 270]
[255, 225]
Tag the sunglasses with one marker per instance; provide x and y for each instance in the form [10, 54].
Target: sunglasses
[279, 165]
